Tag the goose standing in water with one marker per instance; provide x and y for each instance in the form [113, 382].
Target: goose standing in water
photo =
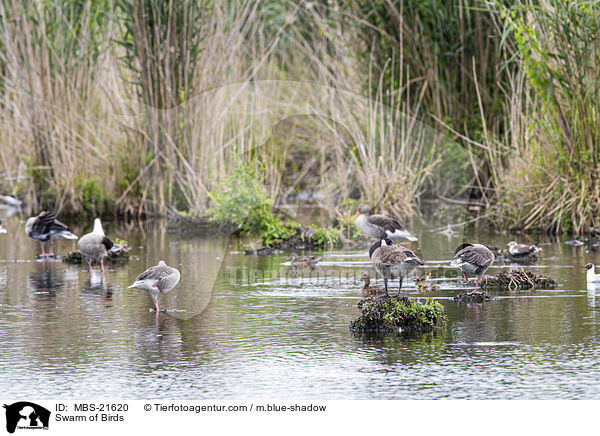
[2, 229]
[522, 250]
[473, 259]
[95, 245]
[592, 277]
[380, 226]
[45, 227]
[158, 279]
[392, 261]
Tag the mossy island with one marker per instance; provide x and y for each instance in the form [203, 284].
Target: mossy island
[399, 314]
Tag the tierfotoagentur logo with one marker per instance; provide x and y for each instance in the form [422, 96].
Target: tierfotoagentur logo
[26, 415]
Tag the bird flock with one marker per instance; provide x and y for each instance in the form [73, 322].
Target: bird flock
[395, 261]
[94, 247]
[390, 260]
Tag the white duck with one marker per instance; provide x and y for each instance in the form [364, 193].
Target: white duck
[158, 279]
[592, 277]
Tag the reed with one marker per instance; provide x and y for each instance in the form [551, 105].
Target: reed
[552, 179]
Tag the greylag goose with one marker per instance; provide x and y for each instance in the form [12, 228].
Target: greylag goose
[95, 245]
[472, 259]
[2, 229]
[45, 227]
[310, 261]
[392, 261]
[380, 226]
[158, 279]
[592, 277]
[368, 290]
[522, 250]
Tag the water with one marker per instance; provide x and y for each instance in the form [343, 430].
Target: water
[244, 327]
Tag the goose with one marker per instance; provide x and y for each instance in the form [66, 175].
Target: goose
[392, 261]
[158, 279]
[380, 226]
[45, 227]
[592, 277]
[367, 289]
[95, 245]
[472, 259]
[2, 229]
[310, 261]
[522, 250]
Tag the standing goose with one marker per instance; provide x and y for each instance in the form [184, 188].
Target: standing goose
[157, 279]
[592, 277]
[380, 226]
[45, 227]
[522, 250]
[472, 259]
[2, 229]
[392, 261]
[95, 245]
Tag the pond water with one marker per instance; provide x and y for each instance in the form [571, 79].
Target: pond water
[248, 327]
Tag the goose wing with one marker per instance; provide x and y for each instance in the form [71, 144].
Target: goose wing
[163, 275]
[392, 255]
[386, 223]
[472, 255]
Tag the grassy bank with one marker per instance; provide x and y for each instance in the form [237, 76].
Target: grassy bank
[167, 108]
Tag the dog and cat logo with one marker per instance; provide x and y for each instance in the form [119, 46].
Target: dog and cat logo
[26, 415]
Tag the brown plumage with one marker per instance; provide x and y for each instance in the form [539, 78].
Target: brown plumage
[393, 261]
[368, 290]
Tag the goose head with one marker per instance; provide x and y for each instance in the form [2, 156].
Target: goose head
[588, 266]
[363, 210]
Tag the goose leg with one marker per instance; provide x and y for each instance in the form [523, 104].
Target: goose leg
[51, 254]
[466, 277]
[399, 287]
[386, 289]
[90, 266]
[43, 252]
[475, 291]
[156, 305]
[102, 265]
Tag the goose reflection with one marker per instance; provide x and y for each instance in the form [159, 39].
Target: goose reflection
[96, 285]
[160, 341]
[50, 278]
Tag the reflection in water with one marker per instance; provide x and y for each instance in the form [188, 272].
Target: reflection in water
[246, 319]
[50, 277]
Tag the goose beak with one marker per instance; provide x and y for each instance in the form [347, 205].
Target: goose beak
[357, 213]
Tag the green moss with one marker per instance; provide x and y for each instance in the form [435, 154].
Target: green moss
[399, 314]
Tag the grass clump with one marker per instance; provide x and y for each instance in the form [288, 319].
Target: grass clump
[242, 200]
[399, 314]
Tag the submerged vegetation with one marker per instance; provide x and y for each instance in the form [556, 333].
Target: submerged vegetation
[227, 109]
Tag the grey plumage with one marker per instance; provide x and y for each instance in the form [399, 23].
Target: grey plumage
[518, 250]
[45, 227]
[473, 259]
[158, 279]
[94, 246]
[380, 226]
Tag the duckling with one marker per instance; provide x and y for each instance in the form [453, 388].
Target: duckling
[369, 290]
[301, 262]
